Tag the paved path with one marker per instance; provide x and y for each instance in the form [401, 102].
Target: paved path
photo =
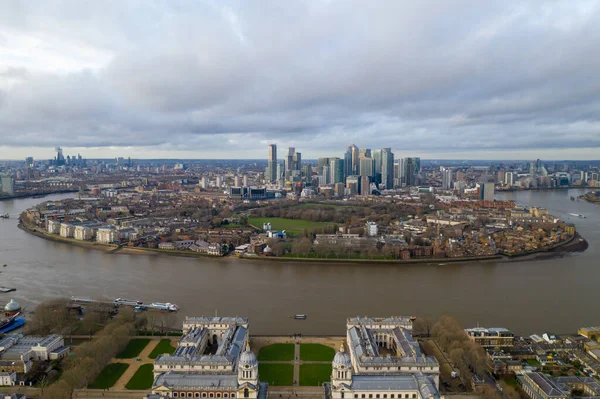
[296, 363]
[134, 364]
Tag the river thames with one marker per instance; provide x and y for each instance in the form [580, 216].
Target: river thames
[558, 294]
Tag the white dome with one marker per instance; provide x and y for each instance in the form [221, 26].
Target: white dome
[12, 306]
[247, 358]
[342, 359]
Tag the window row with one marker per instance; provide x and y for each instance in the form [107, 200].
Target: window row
[204, 395]
[385, 396]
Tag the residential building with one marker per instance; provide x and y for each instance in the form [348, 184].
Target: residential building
[491, 337]
[272, 165]
[8, 185]
[447, 178]
[411, 168]
[539, 386]
[8, 378]
[371, 229]
[106, 235]
[486, 191]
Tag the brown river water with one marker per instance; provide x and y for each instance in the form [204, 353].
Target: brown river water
[532, 295]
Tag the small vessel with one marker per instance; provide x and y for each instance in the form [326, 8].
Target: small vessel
[131, 302]
[5, 216]
[579, 215]
[138, 308]
[171, 307]
[300, 317]
[572, 198]
[8, 321]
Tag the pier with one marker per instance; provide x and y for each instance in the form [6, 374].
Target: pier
[119, 302]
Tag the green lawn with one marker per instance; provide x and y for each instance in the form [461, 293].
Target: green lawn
[277, 374]
[133, 348]
[142, 379]
[314, 374]
[109, 376]
[164, 346]
[287, 224]
[316, 353]
[277, 352]
[533, 362]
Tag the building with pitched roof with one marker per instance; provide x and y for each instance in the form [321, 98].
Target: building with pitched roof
[213, 360]
[383, 362]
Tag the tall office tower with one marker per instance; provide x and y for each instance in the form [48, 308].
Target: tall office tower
[387, 167]
[289, 160]
[245, 181]
[500, 176]
[321, 162]
[364, 153]
[365, 186]
[367, 167]
[297, 161]
[272, 164]
[278, 171]
[355, 156]
[412, 167]
[29, 162]
[60, 158]
[237, 181]
[348, 162]
[219, 181]
[337, 170]
[447, 178]
[486, 191]
[8, 185]
[378, 161]
[307, 172]
[325, 176]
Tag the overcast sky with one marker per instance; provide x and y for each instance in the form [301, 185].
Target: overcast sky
[223, 79]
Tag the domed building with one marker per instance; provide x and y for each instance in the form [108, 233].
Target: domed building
[383, 361]
[12, 308]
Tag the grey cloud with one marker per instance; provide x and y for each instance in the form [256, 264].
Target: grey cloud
[428, 75]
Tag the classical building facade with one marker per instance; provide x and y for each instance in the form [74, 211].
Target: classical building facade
[491, 337]
[382, 362]
[213, 360]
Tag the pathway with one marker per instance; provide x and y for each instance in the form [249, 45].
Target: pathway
[134, 364]
[297, 363]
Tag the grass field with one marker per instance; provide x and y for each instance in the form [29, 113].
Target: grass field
[287, 224]
[142, 379]
[276, 352]
[533, 362]
[316, 353]
[109, 376]
[277, 374]
[133, 348]
[164, 346]
[314, 374]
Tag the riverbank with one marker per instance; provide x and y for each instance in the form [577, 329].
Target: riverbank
[36, 195]
[574, 244]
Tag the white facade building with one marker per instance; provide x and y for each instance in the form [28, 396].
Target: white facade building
[213, 360]
[53, 226]
[371, 229]
[67, 230]
[383, 361]
[84, 233]
[8, 378]
[106, 235]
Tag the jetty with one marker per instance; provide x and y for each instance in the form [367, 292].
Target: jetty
[119, 302]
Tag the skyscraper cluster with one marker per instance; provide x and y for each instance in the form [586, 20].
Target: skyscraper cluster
[358, 169]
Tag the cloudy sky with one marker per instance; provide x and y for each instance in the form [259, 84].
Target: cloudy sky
[223, 79]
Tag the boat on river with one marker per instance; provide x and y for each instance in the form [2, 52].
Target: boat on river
[579, 215]
[300, 317]
[5, 216]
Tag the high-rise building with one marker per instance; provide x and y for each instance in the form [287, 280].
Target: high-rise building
[337, 170]
[447, 178]
[353, 184]
[500, 176]
[289, 160]
[245, 181]
[321, 162]
[325, 176]
[237, 181]
[272, 164]
[348, 171]
[297, 161]
[486, 191]
[307, 172]
[377, 158]
[412, 167]
[367, 167]
[509, 178]
[8, 185]
[387, 167]
[60, 158]
[29, 162]
[398, 173]
[355, 157]
[364, 153]
[365, 186]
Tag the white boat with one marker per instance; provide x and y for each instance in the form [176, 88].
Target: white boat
[171, 307]
[579, 215]
[300, 316]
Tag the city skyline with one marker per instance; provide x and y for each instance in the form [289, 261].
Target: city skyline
[510, 81]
